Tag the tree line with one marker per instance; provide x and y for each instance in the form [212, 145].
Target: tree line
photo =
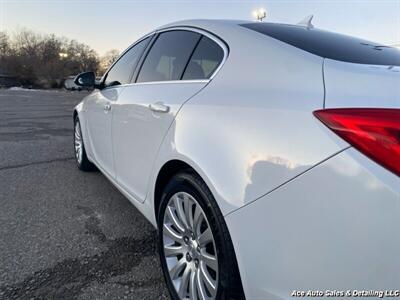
[45, 61]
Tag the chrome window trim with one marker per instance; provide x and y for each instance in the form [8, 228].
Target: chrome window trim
[185, 28]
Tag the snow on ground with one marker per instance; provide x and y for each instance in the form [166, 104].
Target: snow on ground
[15, 88]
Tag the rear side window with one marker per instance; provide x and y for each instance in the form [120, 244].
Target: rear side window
[205, 60]
[330, 45]
[168, 56]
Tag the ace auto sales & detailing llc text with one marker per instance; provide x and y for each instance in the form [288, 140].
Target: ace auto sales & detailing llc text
[347, 293]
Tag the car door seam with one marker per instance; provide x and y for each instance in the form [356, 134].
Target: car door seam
[163, 139]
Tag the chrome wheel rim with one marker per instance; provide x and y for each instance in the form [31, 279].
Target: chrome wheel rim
[189, 249]
[78, 143]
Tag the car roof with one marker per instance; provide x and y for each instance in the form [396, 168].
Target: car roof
[204, 23]
[320, 42]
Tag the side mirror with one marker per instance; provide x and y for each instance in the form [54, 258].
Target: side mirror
[86, 79]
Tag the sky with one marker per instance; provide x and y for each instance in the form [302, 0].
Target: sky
[106, 25]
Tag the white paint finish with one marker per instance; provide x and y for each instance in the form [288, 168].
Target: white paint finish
[242, 157]
[138, 131]
[98, 128]
[250, 131]
[252, 128]
[358, 85]
[333, 228]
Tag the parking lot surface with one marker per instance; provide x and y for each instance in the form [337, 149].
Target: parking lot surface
[64, 234]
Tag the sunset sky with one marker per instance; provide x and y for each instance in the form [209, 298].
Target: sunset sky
[106, 25]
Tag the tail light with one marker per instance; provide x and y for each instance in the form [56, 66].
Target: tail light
[373, 131]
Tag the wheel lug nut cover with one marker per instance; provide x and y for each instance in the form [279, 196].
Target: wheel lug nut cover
[188, 257]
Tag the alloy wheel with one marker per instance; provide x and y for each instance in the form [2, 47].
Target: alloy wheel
[189, 249]
[78, 142]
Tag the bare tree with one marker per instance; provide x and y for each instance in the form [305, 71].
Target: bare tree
[108, 59]
[44, 60]
[4, 44]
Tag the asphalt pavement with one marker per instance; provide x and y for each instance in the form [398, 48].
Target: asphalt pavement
[65, 234]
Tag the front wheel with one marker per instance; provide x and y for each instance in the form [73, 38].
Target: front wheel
[80, 153]
[195, 247]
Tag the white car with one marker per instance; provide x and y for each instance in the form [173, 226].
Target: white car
[267, 155]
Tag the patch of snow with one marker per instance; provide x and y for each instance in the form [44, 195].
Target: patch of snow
[15, 88]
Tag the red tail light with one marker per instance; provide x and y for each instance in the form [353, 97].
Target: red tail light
[373, 131]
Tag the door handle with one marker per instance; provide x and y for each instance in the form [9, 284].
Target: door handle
[159, 107]
[107, 107]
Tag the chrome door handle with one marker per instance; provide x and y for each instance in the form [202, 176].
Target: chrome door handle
[107, 107]
[159, 107]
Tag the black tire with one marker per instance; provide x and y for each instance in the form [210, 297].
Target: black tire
[84, 164]
[229, 283]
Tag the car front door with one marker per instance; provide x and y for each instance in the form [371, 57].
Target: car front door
[100, 103]
[169, 76]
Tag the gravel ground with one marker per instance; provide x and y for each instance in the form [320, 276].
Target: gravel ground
[64, 234]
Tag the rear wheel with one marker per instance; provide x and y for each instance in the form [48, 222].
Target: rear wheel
[195, 248]
[80, 153]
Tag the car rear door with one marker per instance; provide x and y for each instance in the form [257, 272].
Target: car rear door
[168, 77]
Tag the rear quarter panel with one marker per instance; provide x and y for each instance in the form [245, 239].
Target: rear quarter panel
[331, 229]
[252, 128]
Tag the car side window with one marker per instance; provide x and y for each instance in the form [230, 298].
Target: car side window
[205, 60]
[122, 70]
[168, 56]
